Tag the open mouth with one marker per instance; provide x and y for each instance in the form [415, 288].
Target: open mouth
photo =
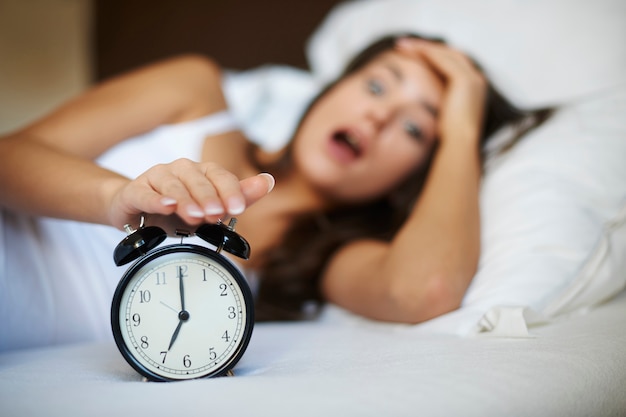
[348, 142]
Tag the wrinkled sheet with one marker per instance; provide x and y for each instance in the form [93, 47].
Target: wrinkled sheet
[573, 367]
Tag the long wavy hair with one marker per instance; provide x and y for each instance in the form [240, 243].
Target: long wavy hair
[289, 278]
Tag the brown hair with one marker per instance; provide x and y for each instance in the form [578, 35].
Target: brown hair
[289, 280]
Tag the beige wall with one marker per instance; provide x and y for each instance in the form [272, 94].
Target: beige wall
[44, 56]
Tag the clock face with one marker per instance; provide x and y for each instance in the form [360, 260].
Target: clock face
[182, 312]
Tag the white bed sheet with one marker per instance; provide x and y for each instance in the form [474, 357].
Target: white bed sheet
[574, 367]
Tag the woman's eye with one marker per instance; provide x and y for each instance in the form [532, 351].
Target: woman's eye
[375, 87]
[413, 130]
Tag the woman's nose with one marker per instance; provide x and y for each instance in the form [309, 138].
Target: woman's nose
[379, 114]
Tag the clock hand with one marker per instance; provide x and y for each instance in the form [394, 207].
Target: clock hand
[183, 316]
[171, 308]
[175, 335]
[181, 288]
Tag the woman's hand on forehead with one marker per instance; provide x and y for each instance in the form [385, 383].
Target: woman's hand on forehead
[462, 109]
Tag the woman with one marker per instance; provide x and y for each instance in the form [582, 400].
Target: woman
[342, 222]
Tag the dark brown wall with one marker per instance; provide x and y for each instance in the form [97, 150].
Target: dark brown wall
[240, 34]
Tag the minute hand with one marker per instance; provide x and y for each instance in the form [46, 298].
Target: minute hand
[183, 315]
[181, 288]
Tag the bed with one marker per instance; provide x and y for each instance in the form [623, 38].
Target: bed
[542, 329]
[576, 367]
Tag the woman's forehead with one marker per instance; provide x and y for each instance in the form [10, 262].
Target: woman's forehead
[412, 72]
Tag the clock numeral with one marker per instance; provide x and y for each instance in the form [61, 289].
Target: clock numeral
[136, 319]
[144, 342]
[231, 312]
[223, 287]
[204, 275]
[164, 354]
[145, 296]
[212, 354]
[225, 336]
[186, 361]
[160, 278]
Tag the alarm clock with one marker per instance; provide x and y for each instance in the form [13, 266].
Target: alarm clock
[182, 311]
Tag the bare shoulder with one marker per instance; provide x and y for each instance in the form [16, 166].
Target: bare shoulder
[193, 79]
[169, 91]
[195, 66]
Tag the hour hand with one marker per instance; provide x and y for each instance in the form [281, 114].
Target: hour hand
[175, 335]
[183, 316]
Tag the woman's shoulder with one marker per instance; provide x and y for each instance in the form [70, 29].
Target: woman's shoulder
[195, 66]
[190, 83]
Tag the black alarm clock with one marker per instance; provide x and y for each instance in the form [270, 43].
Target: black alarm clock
[182, 311]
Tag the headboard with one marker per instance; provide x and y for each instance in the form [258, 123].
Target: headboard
[240, 34]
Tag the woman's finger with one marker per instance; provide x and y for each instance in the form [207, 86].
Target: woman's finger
[254, 188]
[227, 187]
[137, 198]
[447, 61]
[172, 186]
[235, 194]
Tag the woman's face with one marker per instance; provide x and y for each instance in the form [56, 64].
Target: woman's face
[371, 130]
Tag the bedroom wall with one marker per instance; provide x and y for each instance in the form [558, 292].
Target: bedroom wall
[51, 50]
[44, 56]
[240, 34]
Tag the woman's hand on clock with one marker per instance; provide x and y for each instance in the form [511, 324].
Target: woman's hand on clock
[195, 192]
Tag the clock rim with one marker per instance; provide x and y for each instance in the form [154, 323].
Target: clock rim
[236, 274]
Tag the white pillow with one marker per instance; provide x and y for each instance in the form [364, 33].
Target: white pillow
[538, 52]
[554, 207]
[554, 215]
[268, 101]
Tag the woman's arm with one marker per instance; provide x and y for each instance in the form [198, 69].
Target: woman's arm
[47, 168]
[425, 270]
